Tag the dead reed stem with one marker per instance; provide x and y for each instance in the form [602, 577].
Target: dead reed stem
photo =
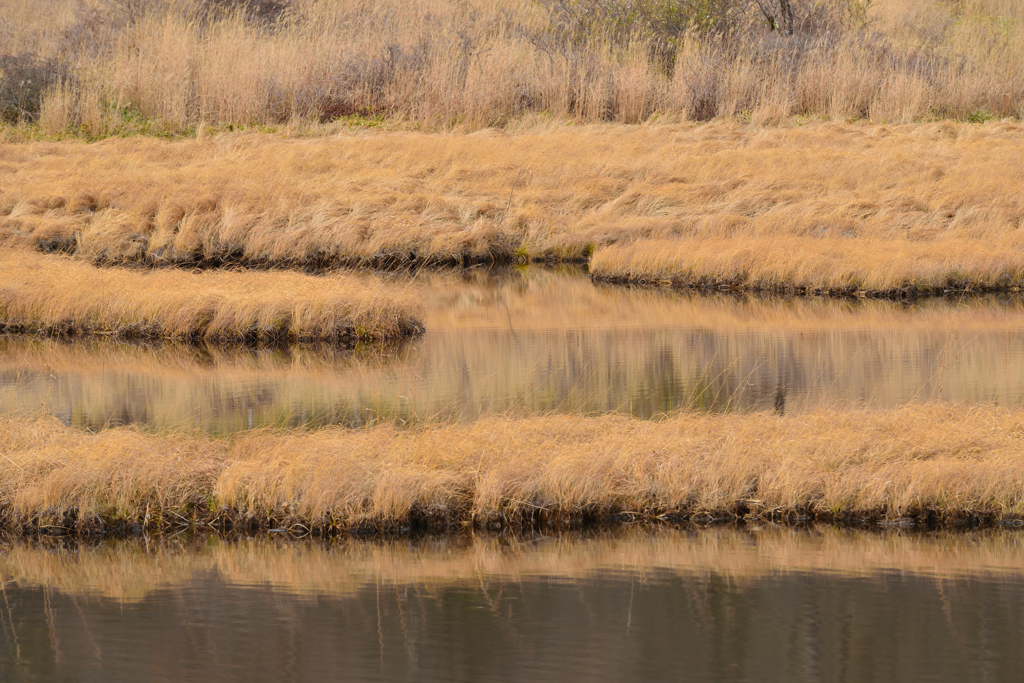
[945, 462]
[62, 296]
[162, 66]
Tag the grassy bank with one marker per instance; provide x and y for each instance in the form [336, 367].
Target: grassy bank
[58, 295]
[831, 266]
[834, 208]
[107, 67]
[942, 463]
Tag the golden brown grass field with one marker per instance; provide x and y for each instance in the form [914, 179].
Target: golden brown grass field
[870, 148]
[59, 295]
[428, 131]
[942, 462]
[834, 207]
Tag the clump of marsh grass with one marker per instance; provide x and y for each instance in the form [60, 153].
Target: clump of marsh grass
[944, 462]
[61, 296]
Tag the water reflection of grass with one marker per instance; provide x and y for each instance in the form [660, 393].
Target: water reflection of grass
[541, 342]
[939, 462]
[129, 571]
[565, 298]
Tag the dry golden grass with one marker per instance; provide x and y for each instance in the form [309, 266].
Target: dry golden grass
[480, 63]
[60, 295]
[820, 266]
[828, 206]
[130, 571]
[945, 460]
[27, 26]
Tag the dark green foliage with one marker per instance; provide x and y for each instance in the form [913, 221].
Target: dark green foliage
[662, 23]
[665, 19]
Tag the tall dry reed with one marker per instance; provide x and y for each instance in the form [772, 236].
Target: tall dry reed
[107, 66]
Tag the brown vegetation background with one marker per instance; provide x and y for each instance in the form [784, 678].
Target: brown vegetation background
[101, 67]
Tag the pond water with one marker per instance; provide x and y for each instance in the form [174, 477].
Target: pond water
[729, 604]
[708, 605]
[537, 340]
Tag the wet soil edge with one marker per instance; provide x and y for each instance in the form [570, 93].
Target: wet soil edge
[344, 336]
[904, 292]
[225, 521]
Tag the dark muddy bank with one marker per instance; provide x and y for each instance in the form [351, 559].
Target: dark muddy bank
[344, 337]
[907, 292]
[230, 522]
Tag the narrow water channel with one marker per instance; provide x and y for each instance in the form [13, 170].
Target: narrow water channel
[706, 605]
[538, 340]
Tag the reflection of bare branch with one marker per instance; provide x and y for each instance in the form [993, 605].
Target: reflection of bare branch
[51, 625]
[97, 652]
[10, 616]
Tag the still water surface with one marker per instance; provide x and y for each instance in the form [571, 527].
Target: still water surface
[712, 605]
[745, 604]
[537, 340]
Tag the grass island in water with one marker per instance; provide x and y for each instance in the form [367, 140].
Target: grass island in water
[934, 463]
[57, 295]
